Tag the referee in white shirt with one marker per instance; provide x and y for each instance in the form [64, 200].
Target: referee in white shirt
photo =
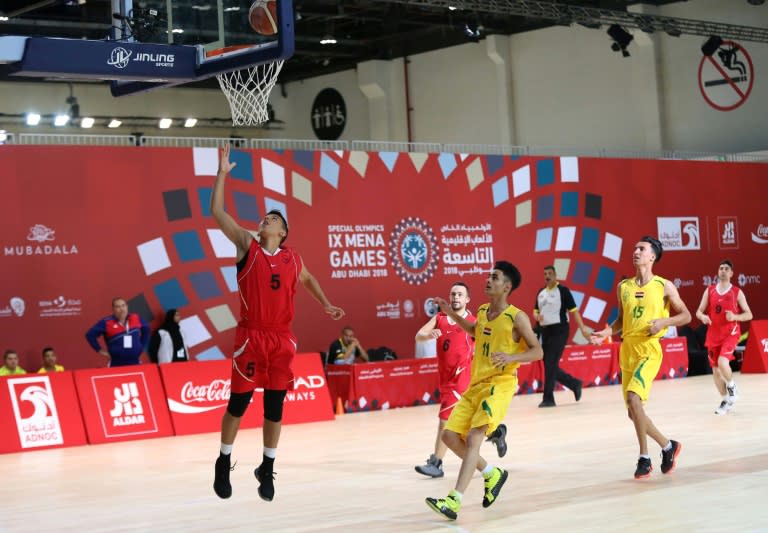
[553, 303]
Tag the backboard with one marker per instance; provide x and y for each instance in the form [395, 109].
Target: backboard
[155, 43]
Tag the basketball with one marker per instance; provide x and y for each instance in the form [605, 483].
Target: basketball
[263, 16]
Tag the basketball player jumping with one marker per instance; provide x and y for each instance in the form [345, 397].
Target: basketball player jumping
[267, 273]
[503, 339]
[719, 310]
[644, 303]
[454, 359]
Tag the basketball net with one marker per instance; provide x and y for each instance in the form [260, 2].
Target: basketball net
[247, 91]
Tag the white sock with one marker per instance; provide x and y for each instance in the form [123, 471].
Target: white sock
[732, 383]
[725, 396]
[488, 470]
[226, 449]
[668, 446]
[270, 452]
[645, 456]
[456, 495]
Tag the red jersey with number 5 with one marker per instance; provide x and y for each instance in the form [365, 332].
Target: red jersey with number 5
[721, 329]
[454, 351]
[267, 286]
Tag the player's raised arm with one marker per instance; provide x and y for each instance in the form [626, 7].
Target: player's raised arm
[234, 232]
[446, 308]
[428, 331]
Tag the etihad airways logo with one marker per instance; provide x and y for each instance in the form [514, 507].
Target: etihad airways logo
[40, 234]
[760, 236]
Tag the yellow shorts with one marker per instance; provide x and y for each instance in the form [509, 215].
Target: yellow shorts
[640, 360]
[484, 403]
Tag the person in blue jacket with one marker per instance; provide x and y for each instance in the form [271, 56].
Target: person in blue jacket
[125, 334]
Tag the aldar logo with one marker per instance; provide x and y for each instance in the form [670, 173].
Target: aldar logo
[127, 409]
[124, 404]
[679, 233]
[728, 233]
[329, 115]
[40, 234]
[35, 411]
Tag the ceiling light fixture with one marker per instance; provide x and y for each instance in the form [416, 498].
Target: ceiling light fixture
[328, 39]
[190, 123]
[621, 39]
[33, 119]
[87, 122]
[165, 123]
[114, 123]
[60, 120]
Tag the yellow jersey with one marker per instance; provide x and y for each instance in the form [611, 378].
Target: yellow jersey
[42, 370]
[494, 336]
[640, 305]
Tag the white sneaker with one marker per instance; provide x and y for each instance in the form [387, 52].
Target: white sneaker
[724, 407]
[733, 393]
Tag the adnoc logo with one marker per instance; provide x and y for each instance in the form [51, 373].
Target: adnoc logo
[679, 233]
[413, 250]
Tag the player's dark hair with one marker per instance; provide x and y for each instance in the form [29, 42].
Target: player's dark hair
[655, 246]
[461, 284]
[510, 272]
[550, 267]
[285, 222]
[726, 262]
[7, 353]
[47, 349]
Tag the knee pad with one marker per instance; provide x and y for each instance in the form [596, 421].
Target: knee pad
[238, 403]
[273, 405]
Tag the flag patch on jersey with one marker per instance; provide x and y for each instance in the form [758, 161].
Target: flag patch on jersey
[487, 331]
[639, 294]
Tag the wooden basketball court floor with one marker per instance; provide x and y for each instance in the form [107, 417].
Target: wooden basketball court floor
[570, 470]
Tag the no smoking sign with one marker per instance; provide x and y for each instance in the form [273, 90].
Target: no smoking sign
[726, 77]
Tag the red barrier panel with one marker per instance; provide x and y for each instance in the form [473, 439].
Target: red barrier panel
[386, 384]
[39, 411]
[198, 393]
[593, 365]
[124, 403]
[675, 362]
[756, 353]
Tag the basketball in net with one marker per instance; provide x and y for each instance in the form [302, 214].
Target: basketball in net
[263, 17]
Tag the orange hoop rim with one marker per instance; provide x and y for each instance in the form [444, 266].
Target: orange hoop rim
[227, 50]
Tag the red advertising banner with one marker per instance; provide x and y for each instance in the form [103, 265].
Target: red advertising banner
[39, 411]
[124, 403]
[362, 226]
[675, 362]
[198, 392]
[387, 384]
[756, 353]
[593, 365]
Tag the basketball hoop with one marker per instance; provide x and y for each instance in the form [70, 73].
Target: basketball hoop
[247, 90]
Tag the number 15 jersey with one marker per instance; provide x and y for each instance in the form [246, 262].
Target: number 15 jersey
[640, 305]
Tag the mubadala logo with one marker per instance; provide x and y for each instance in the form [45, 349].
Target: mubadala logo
[119, 57]
[682, 282]
[40, 233]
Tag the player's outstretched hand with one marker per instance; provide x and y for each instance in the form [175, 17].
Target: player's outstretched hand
[442, 304]
[335, 312]
[225, 165]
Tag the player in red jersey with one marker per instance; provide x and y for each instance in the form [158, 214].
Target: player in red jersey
[455, 348]
[719, 310]
[267, 273]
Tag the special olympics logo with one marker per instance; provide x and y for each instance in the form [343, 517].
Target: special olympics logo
[119, 57]
[413, 249]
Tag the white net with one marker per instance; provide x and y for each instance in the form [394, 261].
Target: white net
[247, 91]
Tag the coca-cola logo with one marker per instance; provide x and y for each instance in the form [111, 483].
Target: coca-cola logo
[215, 394]
[216, 391]
[760, 236]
